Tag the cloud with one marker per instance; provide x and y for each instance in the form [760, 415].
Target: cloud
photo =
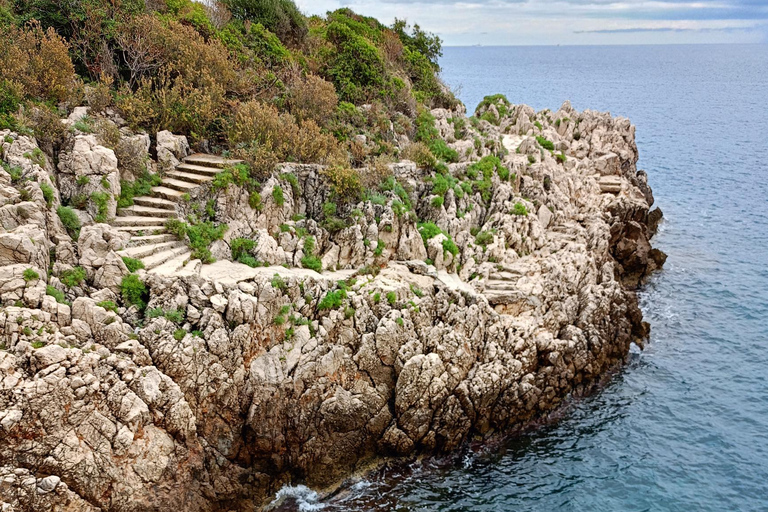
[516, 22]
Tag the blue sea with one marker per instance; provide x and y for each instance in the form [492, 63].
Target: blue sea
[684, 426]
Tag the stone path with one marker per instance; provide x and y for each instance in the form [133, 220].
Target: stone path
[162, 252]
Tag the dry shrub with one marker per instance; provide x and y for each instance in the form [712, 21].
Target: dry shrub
[358, 151]
[392, 47]
[131, 156]
[345, 182]
[141, 46]
[261, 125]
[311, 145]
[39, 60]
[107, 133]
[419, 152]
[45, 122]
[99, 96]
[312, 98]
[260, 157]
[378, 170]
[174, 104]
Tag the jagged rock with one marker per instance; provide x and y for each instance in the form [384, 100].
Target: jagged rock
[97, 241]
[170, 149]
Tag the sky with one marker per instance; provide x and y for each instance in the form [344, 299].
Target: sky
[567, 22]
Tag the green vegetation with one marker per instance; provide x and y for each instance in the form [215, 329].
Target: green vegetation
[140, 187]
[48, 194]
[72, 277]
[332, 300]
[56, 294]
[108, 305]
[179, 334]
[520, 209]
[546, 144]
[277, 195]
[561, 158]
[430, 230]
[30, 275]
[70, 220]
[241, 248]
[83, 180]
[481, 174]
[279, 283]
[133, 264]
[101, 200]
[199, 236]
[427, 133]
[484, 238]
[391, 298]
[380, 246]
[134, 291]
[176, 316]
[309, 260]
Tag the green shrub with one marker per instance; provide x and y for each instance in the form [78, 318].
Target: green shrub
[141, 187]
[72, 277]
[332, 300]
[561, 158]
[56, 294]
[177, 228]
[437, 202]
[380, 246]
[428, 230]
[101, 200]
[450, 246]
[241, 247]
[281, 17]
[376, 298]
[48, 194]
[133, 264]
[484, 238]
[520, 209]
[391, 298]
[70, 220]
[427, 133]
[108, 305]
[546, 144]
[277, 195]
[30, 275]
[83, 180]
[134, 291]
[201, 236]
[179, 334]
[279, 283]
[531, 159]
[309, 260]
[254, 200]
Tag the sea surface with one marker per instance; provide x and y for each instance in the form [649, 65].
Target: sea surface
[684, 426]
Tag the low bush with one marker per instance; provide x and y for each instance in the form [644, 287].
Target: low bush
[72, 277]
[332, 300]
[30, 275]
[108, 305]
[277, 195]
[141, 187]
[56, 294]
[134, 291]
[70, 220]
[546, 144]
[309, 260]
[520, 209]
[484, 238]
[101, 201]
[391, 298]
[133, 264]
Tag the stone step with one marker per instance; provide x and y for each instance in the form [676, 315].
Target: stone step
[157, 259]
[138, 241]
[144, 251]
[197, 179]
[135, 220]
[146, 211]
[172, 265]
[140, 231]
[155, 202]
[492, 285]
[210, 160]
[167, 193]
[181, 186]
[198, 169]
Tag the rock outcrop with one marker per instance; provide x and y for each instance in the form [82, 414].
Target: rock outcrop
[457, 303]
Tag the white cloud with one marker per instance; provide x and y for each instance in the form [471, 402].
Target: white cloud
[525, 22]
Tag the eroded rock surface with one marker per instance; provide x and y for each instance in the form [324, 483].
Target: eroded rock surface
[237, 379]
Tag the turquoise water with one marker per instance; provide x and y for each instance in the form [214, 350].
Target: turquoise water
[685, 425]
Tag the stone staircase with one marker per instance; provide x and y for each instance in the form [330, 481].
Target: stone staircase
[162, 252]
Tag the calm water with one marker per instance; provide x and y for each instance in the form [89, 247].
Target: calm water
[685, 425]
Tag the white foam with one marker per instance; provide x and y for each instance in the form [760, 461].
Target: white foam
[305, 498]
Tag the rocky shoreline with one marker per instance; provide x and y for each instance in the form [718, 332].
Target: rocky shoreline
[453, 303]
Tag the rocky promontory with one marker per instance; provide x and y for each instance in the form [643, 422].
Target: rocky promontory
[203, 346]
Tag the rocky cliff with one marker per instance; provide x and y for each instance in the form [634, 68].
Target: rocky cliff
[453, 301]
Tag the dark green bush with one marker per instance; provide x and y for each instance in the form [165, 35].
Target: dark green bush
[141, 187]
[30, 275]
[484, 238]
[72, 277]
[48, 194]
[101, 200]
[56, 294]
[134, 291]
[520, 209]
[332, 300]
[309, 260]
[546, 144]
[70, 220]
[133, 264]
